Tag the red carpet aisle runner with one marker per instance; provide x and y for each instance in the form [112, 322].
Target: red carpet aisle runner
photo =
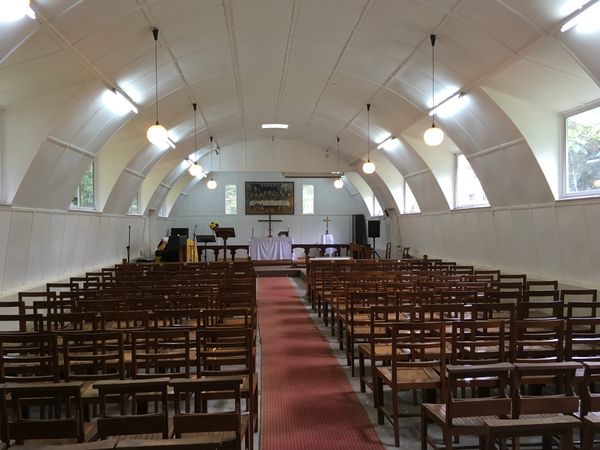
[308, 403]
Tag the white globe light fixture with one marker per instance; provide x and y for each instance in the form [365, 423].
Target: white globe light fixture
[211, 184]
[338, 183]
[369, 166]
[433, 136]
[157, 134]
[195, 170]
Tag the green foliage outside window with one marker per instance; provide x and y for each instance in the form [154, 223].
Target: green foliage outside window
[84, 196]
[583, 152]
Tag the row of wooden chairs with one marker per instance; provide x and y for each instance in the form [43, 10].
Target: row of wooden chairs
[141, 411]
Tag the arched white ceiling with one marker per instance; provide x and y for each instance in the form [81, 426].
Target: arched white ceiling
[311, 63]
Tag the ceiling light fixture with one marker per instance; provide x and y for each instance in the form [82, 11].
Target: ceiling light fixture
[433, 136]
[13, 10]
[451, 105]
[283, 126]
[338, 183]
[211, 184]
[157, 134]
[369, 166]
[118, 103]
[389, 144]
[586, 17]
[195, 169]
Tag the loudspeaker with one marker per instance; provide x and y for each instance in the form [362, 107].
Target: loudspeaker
[359, 232]
[374, 228]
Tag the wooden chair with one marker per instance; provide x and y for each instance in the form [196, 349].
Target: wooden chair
[582, 339]
[378, 349]
[543, 285]
[23, 323]
[72, 321]
[590, 404]
[28, 358]
[425, 344]
[132, 420]
[462, 415]
[62, 418]
[544, 414]
[230, 352]
[475, 342]
[228, 427]
[160, 353]
[579, 295]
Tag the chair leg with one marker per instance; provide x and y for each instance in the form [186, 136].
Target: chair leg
[378, 399]
[423, 429]
[361, 372]
[395, 418]
[587, 437]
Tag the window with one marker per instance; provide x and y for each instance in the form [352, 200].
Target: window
[134, 208]
[410, 202]
[468, 188]
[308, 199]
[583, 153]
[84, 196]
[230, 199]
[162, 212]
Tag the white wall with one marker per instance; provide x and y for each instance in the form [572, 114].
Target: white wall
[552, 241]
[202, 206]
[37, 246]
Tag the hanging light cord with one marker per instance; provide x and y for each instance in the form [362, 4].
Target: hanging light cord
[338, 146]
[432, 37]
[368, 132]
[211, 152]
[195, 144]
[155, 33]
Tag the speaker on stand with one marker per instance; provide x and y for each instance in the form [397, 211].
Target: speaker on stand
[374, 231]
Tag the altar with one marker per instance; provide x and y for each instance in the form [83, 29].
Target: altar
[270, 248]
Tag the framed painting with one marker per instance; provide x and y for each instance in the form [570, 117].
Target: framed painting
[274, 197]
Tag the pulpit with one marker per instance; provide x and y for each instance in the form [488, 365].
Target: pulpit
[224, 233]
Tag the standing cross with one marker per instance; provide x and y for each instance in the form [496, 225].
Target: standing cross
[327, 220]
[270, 223]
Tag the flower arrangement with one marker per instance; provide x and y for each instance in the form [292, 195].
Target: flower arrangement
[213, 225]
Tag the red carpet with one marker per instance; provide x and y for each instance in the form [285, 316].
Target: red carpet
[308, 402]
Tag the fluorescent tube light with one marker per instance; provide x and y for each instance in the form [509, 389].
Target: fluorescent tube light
[282, 126]
[587, 18]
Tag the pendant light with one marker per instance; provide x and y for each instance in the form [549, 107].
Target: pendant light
[156, 134]
[338, 183]
[369, 166]
[195, 169]
[433, 136]
[211, 184]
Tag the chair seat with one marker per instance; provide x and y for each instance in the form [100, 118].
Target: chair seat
[381, 351]
[437, 411]
[411, 378]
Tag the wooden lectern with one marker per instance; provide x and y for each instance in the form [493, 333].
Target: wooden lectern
[225, 233]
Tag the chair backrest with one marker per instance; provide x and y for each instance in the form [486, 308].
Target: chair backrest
[590, 399]
[23, 323]
[229, 318]
[176, 318]
[562, 398]
[200, 418]
[536, 340]
[579, 295]
[494, 311]
[225, 352]
[496, 403]
[478, 342]
[132, 421]
[541, 310]
[28, 357]
[582, 339]
[93, 355]
[159, 353]
[72, 321]
[543, 285]
[64, 411]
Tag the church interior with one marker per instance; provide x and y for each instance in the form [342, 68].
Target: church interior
[299, 224]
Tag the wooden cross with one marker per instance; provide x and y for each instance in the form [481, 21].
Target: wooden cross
[327, 220]
[270, 220]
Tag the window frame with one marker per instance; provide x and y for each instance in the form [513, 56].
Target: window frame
[563, 156]
[406, 189]
[137, 209]
[236, 199]
[77, 195]
[313, 199]
[455, 199]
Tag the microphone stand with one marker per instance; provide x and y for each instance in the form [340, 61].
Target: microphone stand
[129, 244]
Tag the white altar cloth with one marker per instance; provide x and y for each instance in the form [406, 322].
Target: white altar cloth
[270, 248]
[328, 239]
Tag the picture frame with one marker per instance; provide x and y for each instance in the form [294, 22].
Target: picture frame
[269, 197]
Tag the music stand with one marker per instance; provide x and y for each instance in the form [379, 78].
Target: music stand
[205, 239]
[225, 233]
